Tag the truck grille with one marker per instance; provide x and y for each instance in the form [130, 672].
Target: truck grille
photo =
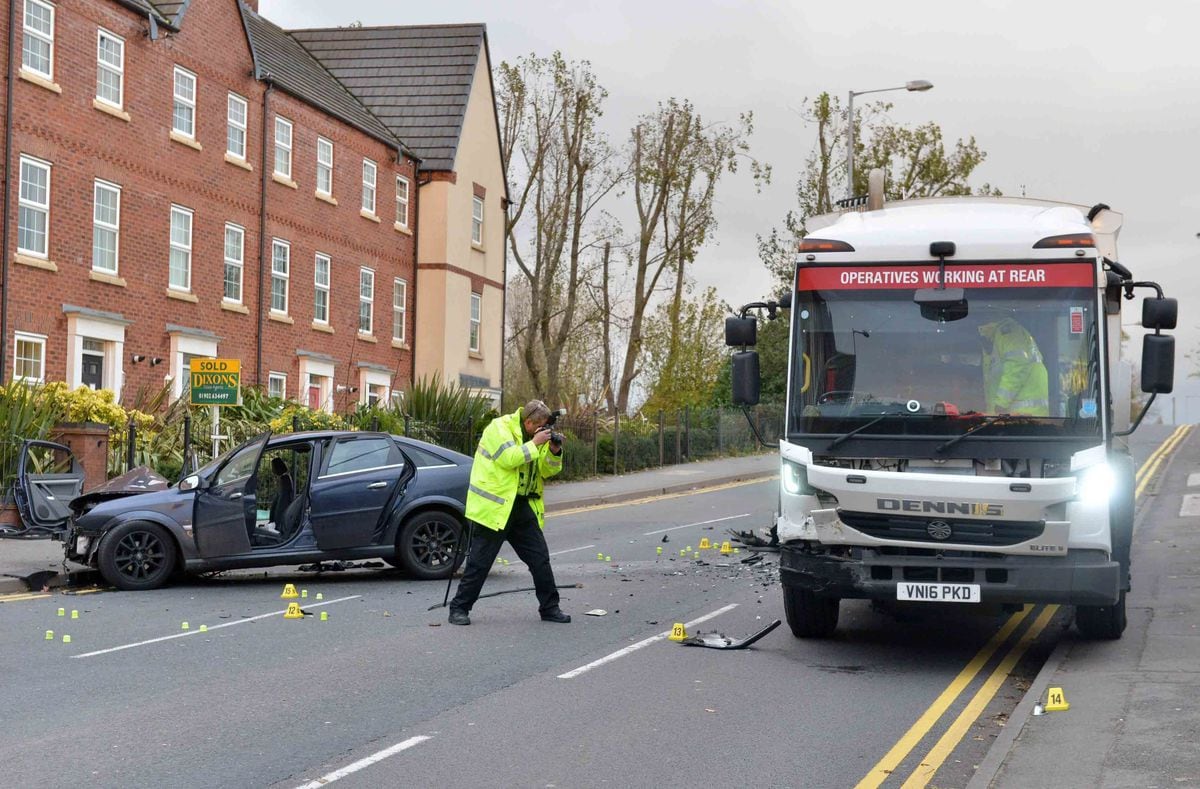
[962, 532]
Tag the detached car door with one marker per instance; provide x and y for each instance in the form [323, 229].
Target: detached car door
[225, 506]
[48, 478]
[350, 497]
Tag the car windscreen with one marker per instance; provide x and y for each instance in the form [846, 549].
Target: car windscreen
[1027, 347]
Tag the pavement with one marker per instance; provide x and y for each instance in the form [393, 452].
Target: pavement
[43, 559]
[1134, 717]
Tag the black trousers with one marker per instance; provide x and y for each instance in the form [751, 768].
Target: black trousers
[525, 536]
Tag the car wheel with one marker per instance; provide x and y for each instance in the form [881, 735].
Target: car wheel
[136, 556]
[427, 546]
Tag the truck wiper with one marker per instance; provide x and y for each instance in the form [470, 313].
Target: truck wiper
[847, 436]
[987, 421]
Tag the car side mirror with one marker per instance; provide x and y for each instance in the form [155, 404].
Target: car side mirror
[741, 332]
[1158, 360]
[190, 482]
[746, 380]
[1159, 314]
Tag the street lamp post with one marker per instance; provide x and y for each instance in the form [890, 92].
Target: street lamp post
[915, 85]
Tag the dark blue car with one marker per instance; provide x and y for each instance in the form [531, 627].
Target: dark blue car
[288, 499]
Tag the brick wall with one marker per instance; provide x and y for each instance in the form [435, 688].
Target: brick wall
[154, 172]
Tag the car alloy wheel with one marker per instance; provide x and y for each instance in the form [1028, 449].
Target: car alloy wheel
[139, 555]
[428, 544]
[136, 555]
[434, 543]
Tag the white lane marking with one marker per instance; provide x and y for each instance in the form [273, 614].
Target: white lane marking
[1190, 507]
[187, 633]
[365, 762]
[643, 643]
[1194, 479]
[569, 550]
[701, 523]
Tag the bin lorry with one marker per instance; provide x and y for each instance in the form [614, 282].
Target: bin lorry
[957, 406]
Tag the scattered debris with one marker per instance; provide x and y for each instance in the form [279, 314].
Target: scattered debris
[716, 640]
[596, 612]
[666, 538]
[337, 565]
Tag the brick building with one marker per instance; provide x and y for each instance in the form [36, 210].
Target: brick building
[189, 181]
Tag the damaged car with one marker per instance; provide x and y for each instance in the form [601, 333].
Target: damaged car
[289, 499]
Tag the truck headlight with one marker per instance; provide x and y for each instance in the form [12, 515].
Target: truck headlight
[795, 478]
[1096, 483]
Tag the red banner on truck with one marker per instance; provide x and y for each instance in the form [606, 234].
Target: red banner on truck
[984, 275]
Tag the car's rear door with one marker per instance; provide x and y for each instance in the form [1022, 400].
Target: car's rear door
[224, 508]
[359, 475]
[48, 478]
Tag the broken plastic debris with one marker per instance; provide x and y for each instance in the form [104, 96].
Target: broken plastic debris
[596, 612]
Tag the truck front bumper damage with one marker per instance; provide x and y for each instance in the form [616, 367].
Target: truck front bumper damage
[1082, 577]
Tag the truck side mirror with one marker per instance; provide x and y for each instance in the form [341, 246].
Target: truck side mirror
[1158, 360]
[746, 381]
[1159, 314]
[785, 300]
[741, 332]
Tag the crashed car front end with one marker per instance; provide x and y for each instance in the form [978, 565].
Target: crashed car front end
[92, 512]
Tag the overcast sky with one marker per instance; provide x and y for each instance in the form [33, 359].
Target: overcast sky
[1084, 102]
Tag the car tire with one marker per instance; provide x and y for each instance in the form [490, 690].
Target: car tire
[427, 547]
[1106, 622]
[137, 555]
[810, 615]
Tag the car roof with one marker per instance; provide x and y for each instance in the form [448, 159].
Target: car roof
[321, 435]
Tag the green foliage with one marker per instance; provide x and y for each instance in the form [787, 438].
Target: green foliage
[436, 402]
[24, 413]
[684, 352]
[295, 416]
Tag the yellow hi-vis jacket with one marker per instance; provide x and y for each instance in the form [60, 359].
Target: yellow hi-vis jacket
[1014, 376]
[505, 465]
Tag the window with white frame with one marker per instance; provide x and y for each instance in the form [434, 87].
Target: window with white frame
[183, 117]
[33, 214]
[281, 259]
[37, 45]
[110, 68]
[29, 357]
[283, 147]
[477, 220]
[180, 274]
[368, 192]
[277, 385]
[324, 166]
[188, 344]
[235, 135]
[235, 258]
[399, 308]
[401, 201]
[476, 320]
[321, 267]
[366, 300]
[106, 226]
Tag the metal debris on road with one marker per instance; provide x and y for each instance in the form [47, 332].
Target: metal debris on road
[596, 612]
[716, 640]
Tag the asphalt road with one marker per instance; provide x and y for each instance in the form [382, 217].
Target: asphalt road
[509, 701]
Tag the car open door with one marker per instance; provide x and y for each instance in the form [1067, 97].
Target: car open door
[349, 500]
[48, 478]
[224, 507]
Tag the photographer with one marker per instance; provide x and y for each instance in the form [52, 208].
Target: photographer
[515, 454]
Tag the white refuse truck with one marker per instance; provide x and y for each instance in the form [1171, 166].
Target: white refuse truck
[956, 407]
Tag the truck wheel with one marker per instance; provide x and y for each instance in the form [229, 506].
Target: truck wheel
[808, 614]
[136, 556]
[1101, 621]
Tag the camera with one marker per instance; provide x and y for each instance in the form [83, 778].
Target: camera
[556, 438]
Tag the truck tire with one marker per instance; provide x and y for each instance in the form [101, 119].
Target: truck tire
[1102, 621]
[809, 615]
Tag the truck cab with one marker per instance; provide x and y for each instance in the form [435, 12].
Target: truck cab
[956, 406]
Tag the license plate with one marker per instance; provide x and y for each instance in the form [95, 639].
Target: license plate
[938, 593]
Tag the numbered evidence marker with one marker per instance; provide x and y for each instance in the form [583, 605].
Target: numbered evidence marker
[678, 632]
[1056, 700]
[293, 612]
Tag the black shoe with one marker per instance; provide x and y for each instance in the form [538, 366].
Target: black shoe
[459, 617]
[556, 615]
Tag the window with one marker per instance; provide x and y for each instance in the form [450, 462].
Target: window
[476, 308]
[110, 68]
[277, 385]
[283, 147]
[183, 119]
[366, 300]
[376, 394]
[324, 166]
[368, 196]
[321, 289]
[92, 354]
[95, 350]
[281, 256]
[235, 135]
[235, 247]
[401, 201]
[477, 220]
[29, 361]
[180, 275]
[399, 308]
[362, 454]
[37, 49]
[106, 226]
[33, 216]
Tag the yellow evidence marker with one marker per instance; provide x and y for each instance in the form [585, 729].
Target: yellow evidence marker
[678, 632]
[705, 544]
[1056, 700]
[289, 592]
[726, 548]
[658, 550]
[49, 635]
[66, 639]
[324, 616]
[293, 612]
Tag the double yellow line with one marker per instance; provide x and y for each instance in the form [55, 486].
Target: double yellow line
[936, 757]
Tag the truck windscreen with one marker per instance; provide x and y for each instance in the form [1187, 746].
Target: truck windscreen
[1027, 347]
